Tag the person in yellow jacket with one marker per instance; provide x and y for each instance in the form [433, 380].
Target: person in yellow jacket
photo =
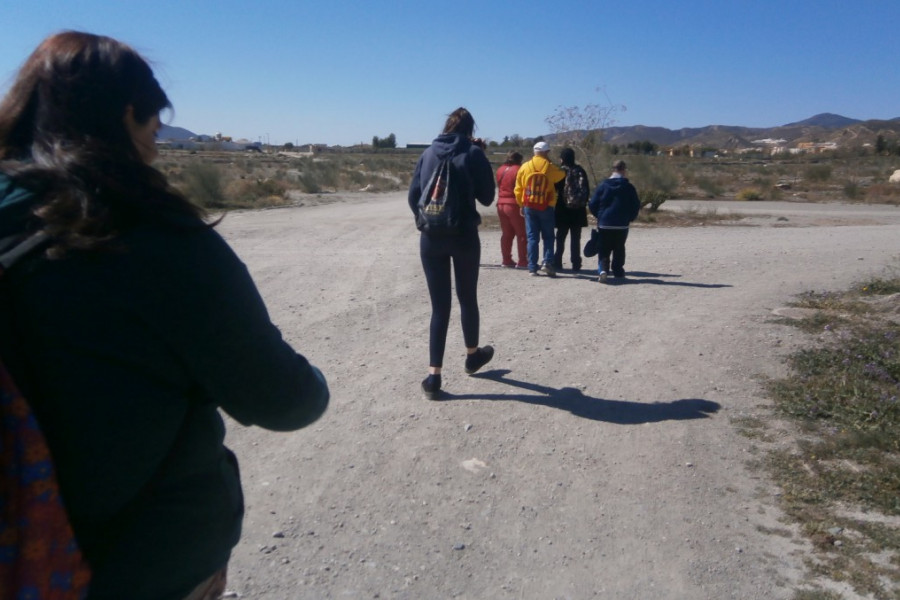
[536, 195]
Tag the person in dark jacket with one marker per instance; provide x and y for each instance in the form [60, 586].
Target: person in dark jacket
[132, 327]
[615, 203]
[462, 248]
[569, 220]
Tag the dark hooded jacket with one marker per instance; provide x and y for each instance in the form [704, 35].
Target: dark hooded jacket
[125, 356]
[569, 217]
[615, 203]
[469, 159]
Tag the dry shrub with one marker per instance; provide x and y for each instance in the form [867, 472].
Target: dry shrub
[883, 193]
[749, 193]
[257, 192]
[202, 183]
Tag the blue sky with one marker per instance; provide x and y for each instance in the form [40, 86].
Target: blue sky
[339, 72]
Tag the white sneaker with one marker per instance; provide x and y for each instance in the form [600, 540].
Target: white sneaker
[602, 277]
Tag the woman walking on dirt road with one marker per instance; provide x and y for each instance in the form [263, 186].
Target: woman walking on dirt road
[472, 179]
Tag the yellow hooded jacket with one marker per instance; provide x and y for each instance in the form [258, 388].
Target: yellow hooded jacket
[538, 163]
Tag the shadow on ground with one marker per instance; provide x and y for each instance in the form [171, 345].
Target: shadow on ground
[637, 277]
[573, 400]
[633, 277]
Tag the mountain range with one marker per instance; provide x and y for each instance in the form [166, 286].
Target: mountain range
[167, 132]
[821, 128]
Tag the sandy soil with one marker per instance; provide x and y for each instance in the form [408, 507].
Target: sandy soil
[597, 456]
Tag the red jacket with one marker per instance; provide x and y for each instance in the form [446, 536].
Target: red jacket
[506, 184]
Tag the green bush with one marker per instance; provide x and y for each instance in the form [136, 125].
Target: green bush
[817, 173]
[653, 198]
[308, 184]
[658, 175]
[709, 186]
[852, 191]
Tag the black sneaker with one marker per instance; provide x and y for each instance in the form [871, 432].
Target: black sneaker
[478, 359]
[431, 385]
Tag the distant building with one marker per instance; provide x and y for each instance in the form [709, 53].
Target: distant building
[816, 147]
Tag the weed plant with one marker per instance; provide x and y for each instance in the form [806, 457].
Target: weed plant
[845, 393]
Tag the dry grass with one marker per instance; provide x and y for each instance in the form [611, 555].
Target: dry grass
[821, 178]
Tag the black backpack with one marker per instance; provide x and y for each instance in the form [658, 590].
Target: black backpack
[577, 190]
[440, 206]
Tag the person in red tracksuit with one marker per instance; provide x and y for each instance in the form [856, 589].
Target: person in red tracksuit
[512, 223]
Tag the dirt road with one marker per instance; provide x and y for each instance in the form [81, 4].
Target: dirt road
[598, 456]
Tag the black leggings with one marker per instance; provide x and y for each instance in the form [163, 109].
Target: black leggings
[436, 253]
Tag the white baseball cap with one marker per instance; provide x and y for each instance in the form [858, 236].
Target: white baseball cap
[542, 147]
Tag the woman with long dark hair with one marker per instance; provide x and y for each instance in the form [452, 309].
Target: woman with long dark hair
[132, 326]
[462, 248]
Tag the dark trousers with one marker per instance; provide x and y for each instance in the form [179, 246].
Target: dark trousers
[612, 241]
[437, 253]
[562, 233]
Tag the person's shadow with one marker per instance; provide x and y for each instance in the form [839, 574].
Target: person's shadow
[573, 400]
[643, 277]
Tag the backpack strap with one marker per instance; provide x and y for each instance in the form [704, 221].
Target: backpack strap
[41, 554]
[505, 171]
[15, 248]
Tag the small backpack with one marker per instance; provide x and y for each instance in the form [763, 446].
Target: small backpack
[39, 556]
[538, 190]
[576, 190]
[439, 205]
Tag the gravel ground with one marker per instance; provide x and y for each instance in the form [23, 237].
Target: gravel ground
[597, 456]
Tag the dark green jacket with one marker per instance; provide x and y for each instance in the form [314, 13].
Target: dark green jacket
[126, 355]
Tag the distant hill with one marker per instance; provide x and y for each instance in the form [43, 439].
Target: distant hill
[167, 132]
[826, 120]
[825, 127]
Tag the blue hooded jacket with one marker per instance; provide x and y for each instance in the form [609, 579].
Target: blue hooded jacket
[468, 158]
[615, 203]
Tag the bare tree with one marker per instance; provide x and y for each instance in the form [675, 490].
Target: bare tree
[582, 127]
